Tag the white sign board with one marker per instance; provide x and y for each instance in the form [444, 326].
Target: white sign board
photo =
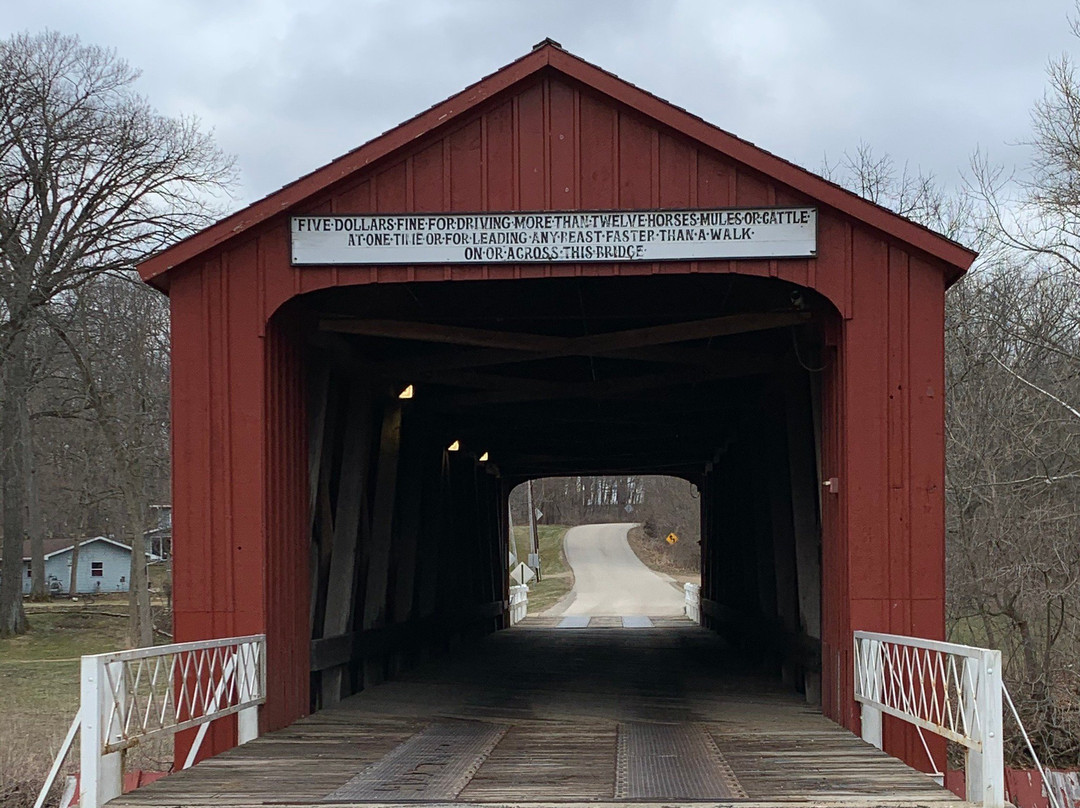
[551, 237]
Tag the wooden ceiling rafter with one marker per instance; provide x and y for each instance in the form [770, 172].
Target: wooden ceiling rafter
[602, 389]
[486, 347]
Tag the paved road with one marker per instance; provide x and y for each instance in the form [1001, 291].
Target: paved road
[609, 580]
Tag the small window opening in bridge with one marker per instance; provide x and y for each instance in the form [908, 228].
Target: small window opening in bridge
[604, 547]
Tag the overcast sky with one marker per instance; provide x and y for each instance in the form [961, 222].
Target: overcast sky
[288, 86]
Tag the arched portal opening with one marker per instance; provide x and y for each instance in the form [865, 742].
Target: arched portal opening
[429, 402]
[610, 546]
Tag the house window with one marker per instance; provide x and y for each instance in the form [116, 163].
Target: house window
[97, 569]
[29, 573]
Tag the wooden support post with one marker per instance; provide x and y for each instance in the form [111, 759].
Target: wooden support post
[323, 400]
[727, 560]
[432, 526]
[409, 524]
[318, 397]
[460, 567]
[783, 543]
[318, 406]
[534, 540]
[761, 505]
[804, 504]
[740, 541]
[708, 546]
[489, 548]
[351, 494]
[382, 525]
[102, 774]
[410, 496]
[493, 505]
[503, 529]
[478, 559]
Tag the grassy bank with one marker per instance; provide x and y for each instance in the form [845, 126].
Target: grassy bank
[682, 560]
[39, 688]
[557, 577]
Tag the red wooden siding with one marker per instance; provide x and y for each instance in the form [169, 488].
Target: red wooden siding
[551, 142]
[595, 155]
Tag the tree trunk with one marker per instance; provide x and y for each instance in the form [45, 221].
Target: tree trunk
[34, 528]
[140, 623]
[84, 508]
[73, 585]
[16, 376]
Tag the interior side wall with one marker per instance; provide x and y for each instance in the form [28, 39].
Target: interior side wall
[408, 539]
[879, 400]
[761, 571]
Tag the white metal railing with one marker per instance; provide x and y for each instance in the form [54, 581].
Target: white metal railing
[519, 603]
[952, 690]
[128, 697]
[692, 605]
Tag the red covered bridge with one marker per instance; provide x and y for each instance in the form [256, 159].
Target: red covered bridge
[715, 313]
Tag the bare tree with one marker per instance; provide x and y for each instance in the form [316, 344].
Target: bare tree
[910, 193]
[1036, 210]
[1013, 446]
[91, 178]
[116, 334]
[1013, 489]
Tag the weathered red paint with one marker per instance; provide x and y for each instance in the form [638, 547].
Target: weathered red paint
[552, 132]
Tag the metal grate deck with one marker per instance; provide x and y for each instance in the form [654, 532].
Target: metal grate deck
[671, 762]
[433, 765]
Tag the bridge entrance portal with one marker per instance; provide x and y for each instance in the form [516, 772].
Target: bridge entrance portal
[553, 272]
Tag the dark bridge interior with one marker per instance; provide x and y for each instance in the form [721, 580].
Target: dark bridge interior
[709, 377]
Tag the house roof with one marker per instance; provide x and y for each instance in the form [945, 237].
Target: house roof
[550, 56]
[57, 546]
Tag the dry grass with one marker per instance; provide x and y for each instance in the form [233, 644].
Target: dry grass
[39, 688]
[682, 560]
[557, 577]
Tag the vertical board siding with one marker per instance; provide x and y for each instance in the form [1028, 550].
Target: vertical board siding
[498, 158]
[597, 147]
[866, 412]
[554, 145]
[287, 538]
[563, 147]
[899, 558]
[531, 153]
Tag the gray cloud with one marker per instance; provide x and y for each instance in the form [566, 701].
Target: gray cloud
[288, 86]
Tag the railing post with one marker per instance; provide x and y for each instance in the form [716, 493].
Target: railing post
[519, 603]
[247, 668]
[985, 770]
[869, 674]
[692, 602]
[101, 775]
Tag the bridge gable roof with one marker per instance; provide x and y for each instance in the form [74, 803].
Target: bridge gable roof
[549, 57]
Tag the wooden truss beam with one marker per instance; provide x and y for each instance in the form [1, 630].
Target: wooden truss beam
[534, 390]
[488, 347]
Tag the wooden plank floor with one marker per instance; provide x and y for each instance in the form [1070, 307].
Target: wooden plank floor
[562, 693]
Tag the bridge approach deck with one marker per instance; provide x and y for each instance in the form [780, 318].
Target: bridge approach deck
[568, 716]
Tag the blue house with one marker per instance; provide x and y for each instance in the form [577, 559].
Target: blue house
[104, 566]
